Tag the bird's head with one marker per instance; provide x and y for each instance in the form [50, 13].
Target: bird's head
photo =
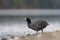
[28, 20]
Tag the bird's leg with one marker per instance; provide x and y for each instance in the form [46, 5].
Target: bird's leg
[37, 32]
[42, 30]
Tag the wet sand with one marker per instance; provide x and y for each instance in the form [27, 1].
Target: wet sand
[45, 36]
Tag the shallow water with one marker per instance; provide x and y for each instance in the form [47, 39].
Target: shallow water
[16, 25]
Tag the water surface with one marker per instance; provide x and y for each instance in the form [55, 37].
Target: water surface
[17, 25]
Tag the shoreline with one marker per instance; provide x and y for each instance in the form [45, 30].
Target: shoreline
[45, 36]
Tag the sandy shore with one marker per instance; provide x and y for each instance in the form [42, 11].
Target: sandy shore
[44, 36]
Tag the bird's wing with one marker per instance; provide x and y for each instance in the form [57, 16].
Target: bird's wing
[40, 23]
[33, 26]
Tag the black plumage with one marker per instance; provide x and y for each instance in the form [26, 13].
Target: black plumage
[37, 25]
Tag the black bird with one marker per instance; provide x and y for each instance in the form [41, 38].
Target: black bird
[37, 25]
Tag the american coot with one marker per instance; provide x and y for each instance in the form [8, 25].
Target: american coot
[37, 25]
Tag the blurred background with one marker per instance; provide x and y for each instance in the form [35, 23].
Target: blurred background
[29, 4]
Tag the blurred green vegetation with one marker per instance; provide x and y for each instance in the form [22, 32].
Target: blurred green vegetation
[26, 4]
